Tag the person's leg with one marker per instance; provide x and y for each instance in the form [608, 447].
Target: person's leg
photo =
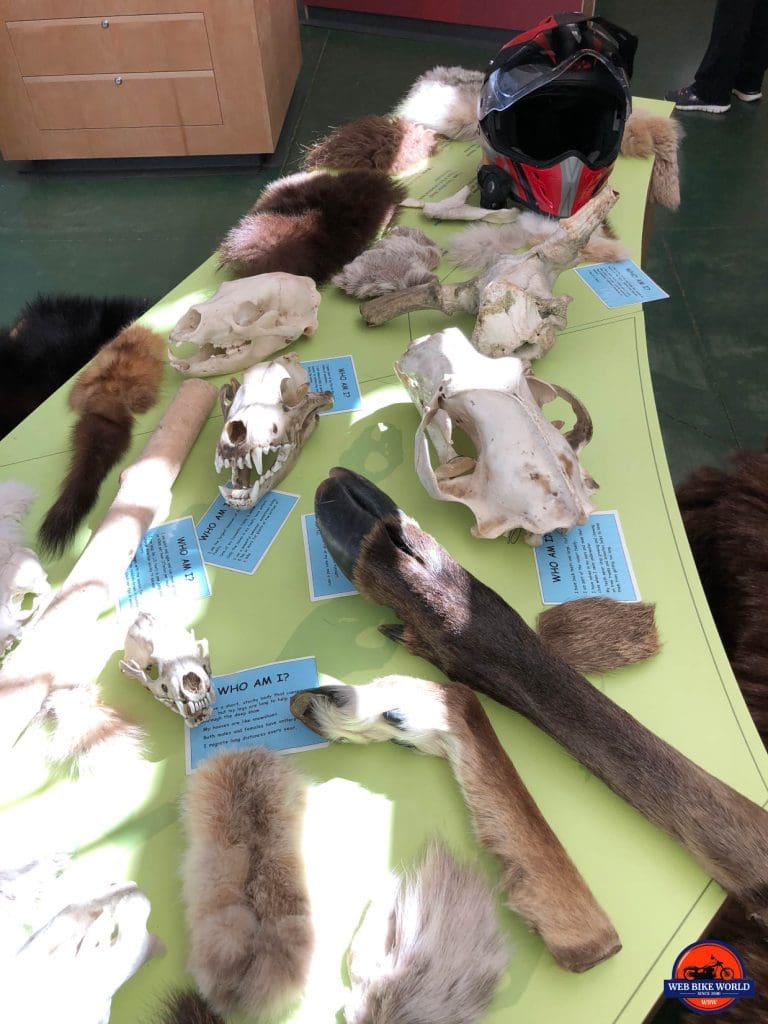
[754, 58]
[721, 63]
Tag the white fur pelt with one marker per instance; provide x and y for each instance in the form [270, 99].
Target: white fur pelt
[482, 244]
[248, 917]
[430, 952]
[445, 100]
[402, 258]
[20, 569]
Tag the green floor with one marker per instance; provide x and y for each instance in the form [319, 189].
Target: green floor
[140, 233]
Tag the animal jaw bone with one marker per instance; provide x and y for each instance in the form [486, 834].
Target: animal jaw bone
[526, 473]
[472, 635]
[22, 577]
[245, 321]
[517, 312]
[539, 877]
[269, 417]
[172, 665]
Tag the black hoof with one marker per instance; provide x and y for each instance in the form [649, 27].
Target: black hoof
[348, 507]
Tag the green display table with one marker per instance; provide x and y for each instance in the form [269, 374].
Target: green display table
[371, 809]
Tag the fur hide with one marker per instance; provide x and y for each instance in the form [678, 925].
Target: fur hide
[311, 225]
[402, 258]
[391, 145]
[647, 135]
[53, 337]
[445, 100]
[186, 1008]
[481, 245]
[123, 379]
[597, 634]
[248, 917]
[726, 519]
[431, 952]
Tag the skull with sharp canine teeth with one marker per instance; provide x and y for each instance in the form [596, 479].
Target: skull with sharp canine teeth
[268, 417]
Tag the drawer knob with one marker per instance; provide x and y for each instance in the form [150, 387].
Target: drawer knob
[105, 22]
[119, 80]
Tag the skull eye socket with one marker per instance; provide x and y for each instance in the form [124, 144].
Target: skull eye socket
[189, 322]
[236, 431]
[192, 682]
[245, 314]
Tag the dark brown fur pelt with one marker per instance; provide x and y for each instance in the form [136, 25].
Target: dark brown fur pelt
[597, 634]
[647, 135]
[391, 145]
[52, 338]
[248, 915]
[726, 519]
[311, 225]
[123, 379]
[186, 1008]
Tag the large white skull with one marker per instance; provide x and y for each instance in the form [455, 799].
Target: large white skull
[245, 321]
[525, 473]
[174, 666]
[268, 417]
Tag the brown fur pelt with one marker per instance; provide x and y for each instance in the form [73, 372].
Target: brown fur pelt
[122, 380]
[726, 519]
[186, 1008]
[403, 258]
[445, 100]
[248, 917]
[648, 134]
[392, 145]
[597, 634]
[311, 225]
[431, 952]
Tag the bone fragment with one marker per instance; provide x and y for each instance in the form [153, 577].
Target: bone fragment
[541, 881]
[51, 654]
[472, 635]
[517, 312]
[456, 207]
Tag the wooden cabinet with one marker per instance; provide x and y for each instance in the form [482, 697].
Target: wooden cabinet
[117, 78]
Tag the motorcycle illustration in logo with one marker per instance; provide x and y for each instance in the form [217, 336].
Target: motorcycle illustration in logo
[708, 977]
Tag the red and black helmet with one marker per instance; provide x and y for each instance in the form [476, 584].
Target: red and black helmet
[552, 112]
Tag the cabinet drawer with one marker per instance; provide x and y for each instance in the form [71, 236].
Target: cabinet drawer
[139, 101]
[82, 46]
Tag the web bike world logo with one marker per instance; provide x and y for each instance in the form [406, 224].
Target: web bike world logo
[708, 977]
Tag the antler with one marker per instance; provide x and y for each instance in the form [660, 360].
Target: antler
[472, 635]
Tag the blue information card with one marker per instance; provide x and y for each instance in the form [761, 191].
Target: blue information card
[338, 376]
[620, 284]
[588, 561]
[252, 709]
[239, 538]
[325, 577]
[168, 567]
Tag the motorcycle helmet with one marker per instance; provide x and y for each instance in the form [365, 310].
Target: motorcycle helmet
[552, 111]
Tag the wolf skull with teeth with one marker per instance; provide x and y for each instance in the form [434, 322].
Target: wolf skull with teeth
[174, 666]
[269, 417]
[246, 320]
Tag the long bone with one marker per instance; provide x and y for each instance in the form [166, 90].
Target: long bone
[542, 882]
[517, 312]
[472, 635]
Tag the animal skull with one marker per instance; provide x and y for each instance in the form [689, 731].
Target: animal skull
[174, 666]
[245, 321]
[268, 420]
[526, 473]
[22, 578]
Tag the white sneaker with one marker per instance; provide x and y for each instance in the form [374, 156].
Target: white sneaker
[747, 97]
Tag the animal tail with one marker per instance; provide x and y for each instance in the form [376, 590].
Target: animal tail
[87, 735]
[122, 380]
[187, 1008]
